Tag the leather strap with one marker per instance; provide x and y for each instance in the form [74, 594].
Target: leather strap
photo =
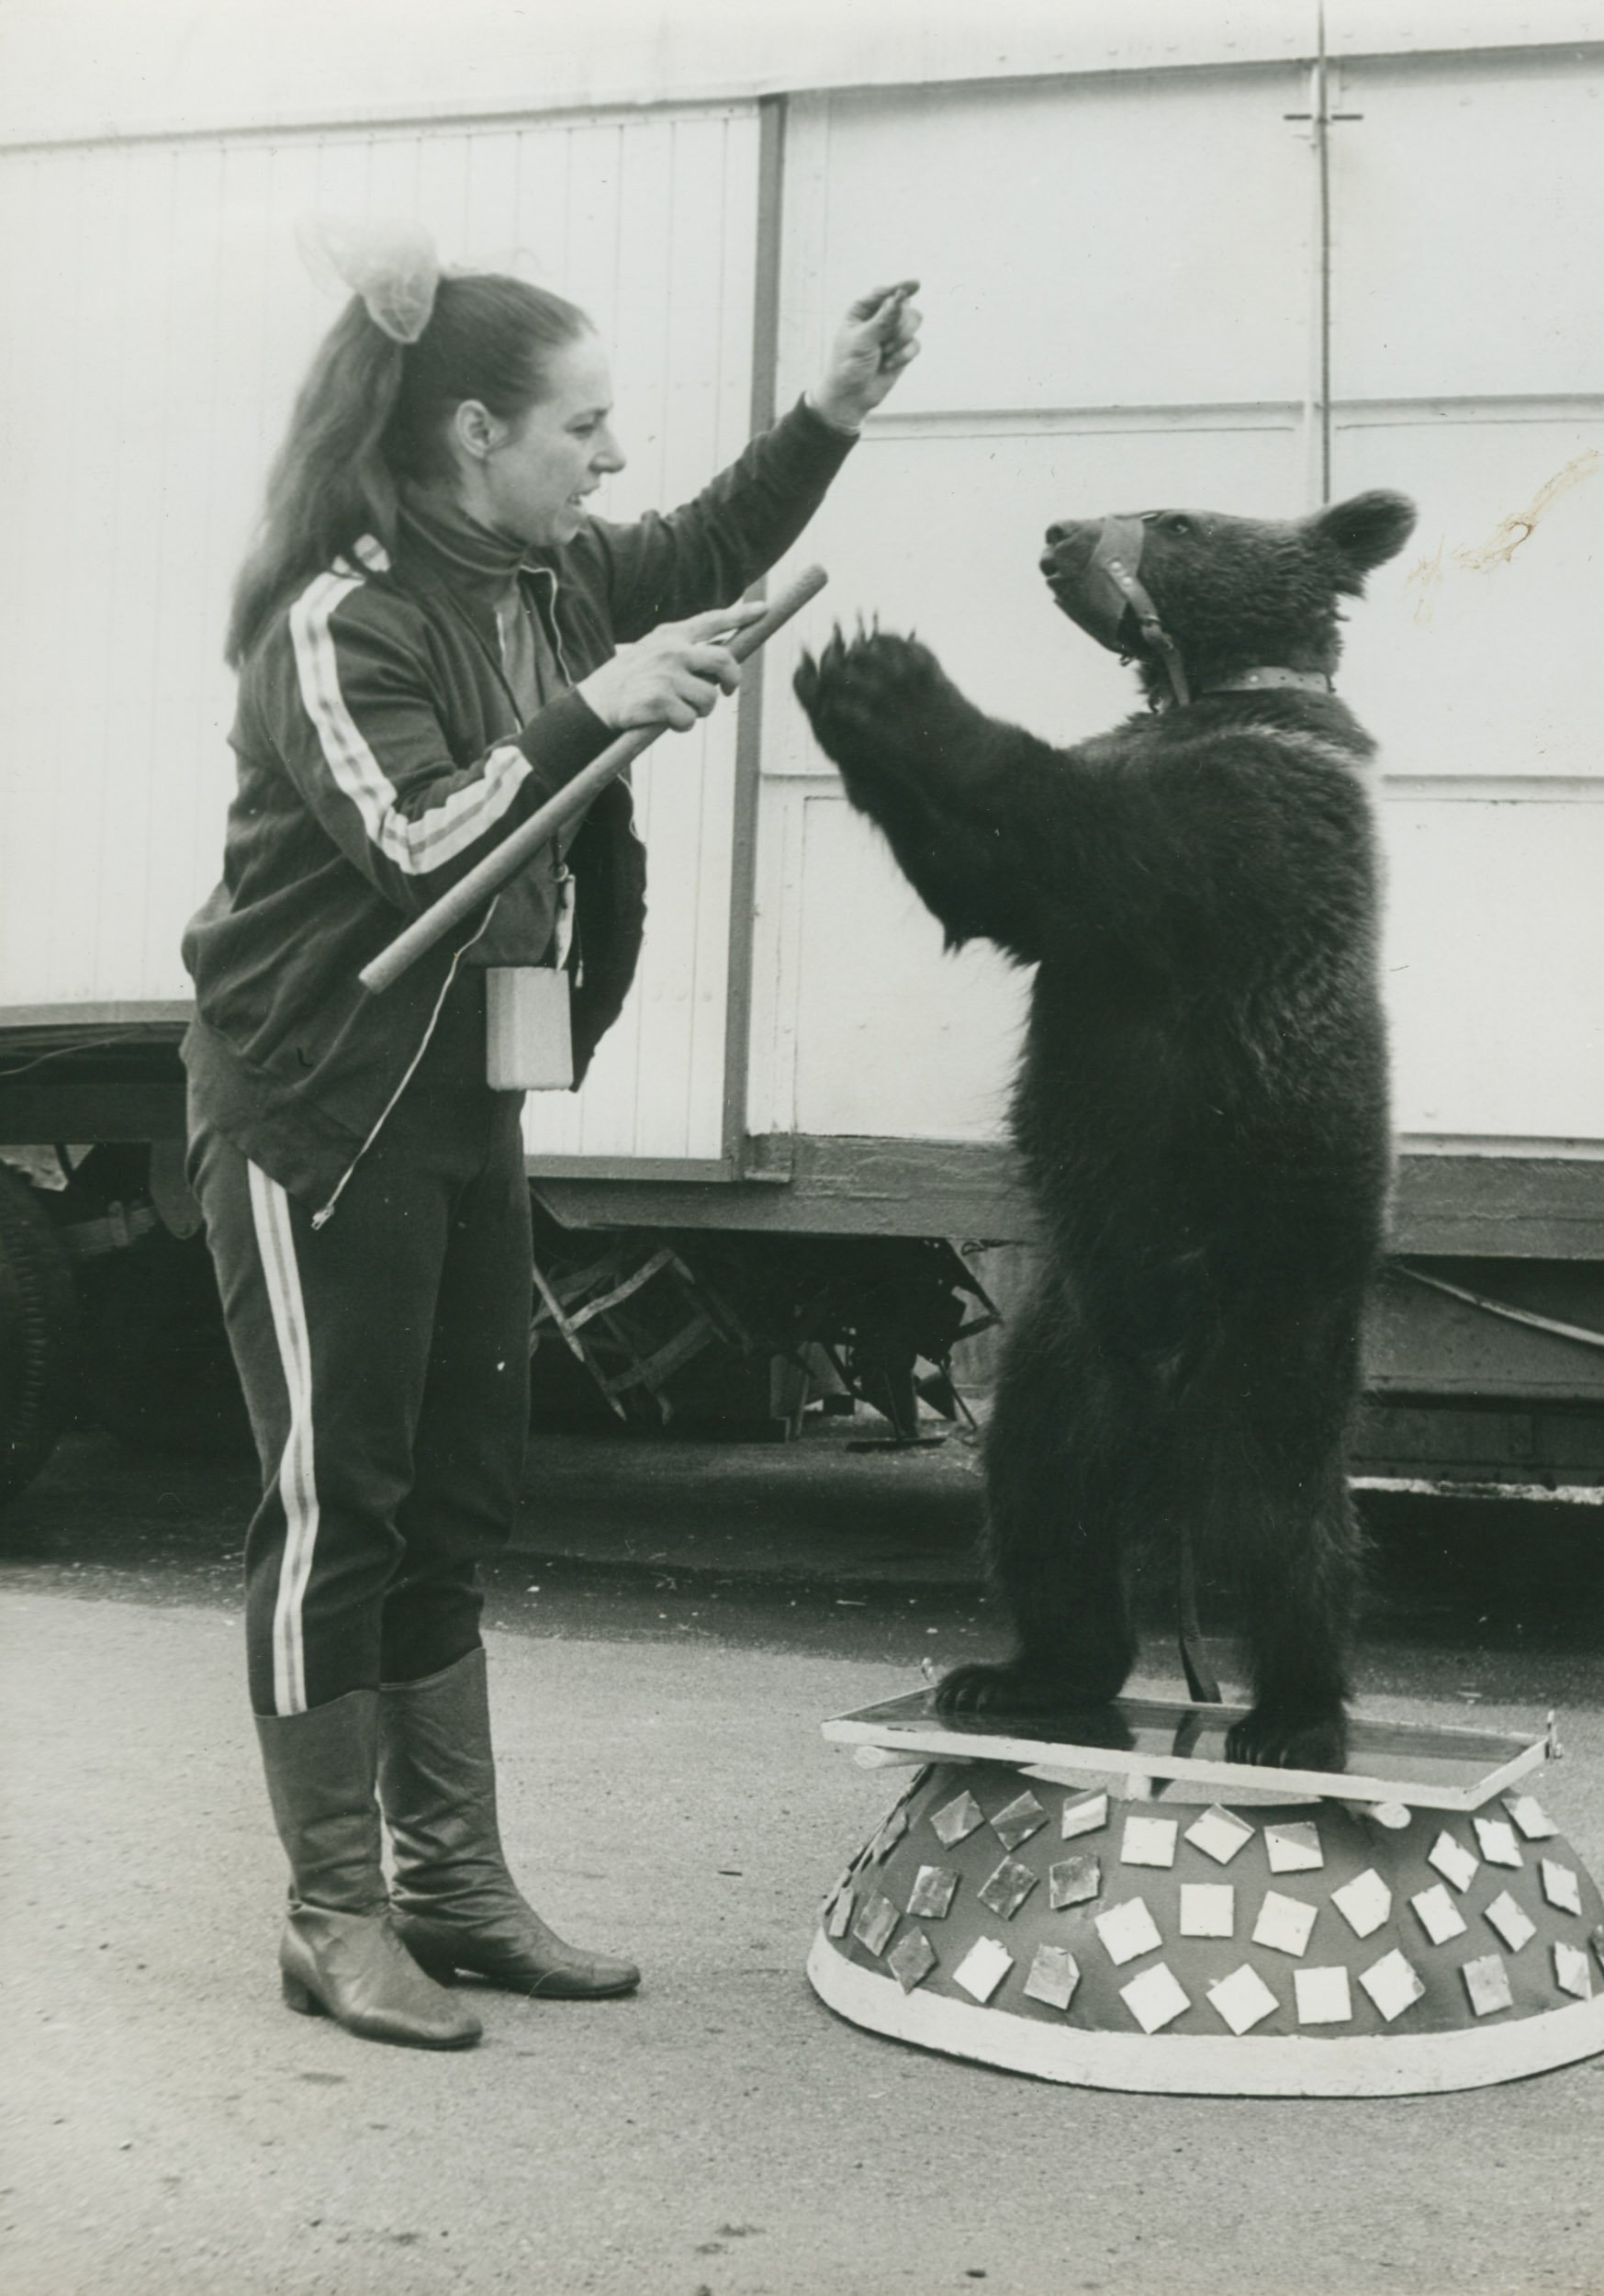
[1112, 586]
[1201, 1679]
[1110, 577]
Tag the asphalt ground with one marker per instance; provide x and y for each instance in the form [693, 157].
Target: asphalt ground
[672, 1626]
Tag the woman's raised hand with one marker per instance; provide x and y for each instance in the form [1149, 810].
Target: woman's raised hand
[673, 675]
[876, 340]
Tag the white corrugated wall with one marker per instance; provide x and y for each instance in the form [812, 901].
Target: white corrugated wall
[157, 322]
[1121, 276]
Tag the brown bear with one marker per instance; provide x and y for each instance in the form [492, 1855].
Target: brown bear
[1202, 1102]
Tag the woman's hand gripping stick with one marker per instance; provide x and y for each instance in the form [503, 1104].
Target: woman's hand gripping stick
[489, 875]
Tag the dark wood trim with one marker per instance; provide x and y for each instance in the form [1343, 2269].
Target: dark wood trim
[1513, 1207]
[1456, 1440]
[695, 1173]
[1521, 1207]
[153, 1013]
[34, 1114]
[1490, 1207]
[836, 1187]
[766, 251]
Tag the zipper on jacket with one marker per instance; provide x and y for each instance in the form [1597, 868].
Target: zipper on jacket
[567, 887]
[320, 1218]
[556, 635]
[494, 655]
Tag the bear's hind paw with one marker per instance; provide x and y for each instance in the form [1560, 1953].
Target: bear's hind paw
[1283, 1741]
[1015, 1688]
[974, 1690]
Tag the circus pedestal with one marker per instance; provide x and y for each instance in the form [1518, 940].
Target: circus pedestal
[1143, 1914]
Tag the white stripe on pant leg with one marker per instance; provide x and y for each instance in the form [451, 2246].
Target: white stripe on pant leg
[297, 1485]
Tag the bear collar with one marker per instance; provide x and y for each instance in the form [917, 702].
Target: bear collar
[1263, 679]
[1260, 680]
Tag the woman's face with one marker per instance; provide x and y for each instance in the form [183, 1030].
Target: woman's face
[536, 478]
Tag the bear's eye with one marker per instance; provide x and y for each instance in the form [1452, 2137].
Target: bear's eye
[1176, 523]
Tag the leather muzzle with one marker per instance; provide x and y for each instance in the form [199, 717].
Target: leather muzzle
[1110, 588]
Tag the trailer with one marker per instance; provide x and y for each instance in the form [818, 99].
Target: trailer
[1255, 257]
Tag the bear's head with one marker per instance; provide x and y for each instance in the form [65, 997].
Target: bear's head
[1230, 594]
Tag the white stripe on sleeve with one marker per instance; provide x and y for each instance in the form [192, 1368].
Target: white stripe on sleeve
[438, 836]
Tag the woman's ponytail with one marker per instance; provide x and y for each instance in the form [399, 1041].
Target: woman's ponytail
[377, 408]
[330, 483]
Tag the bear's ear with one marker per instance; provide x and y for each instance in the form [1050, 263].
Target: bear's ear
[1367, 529]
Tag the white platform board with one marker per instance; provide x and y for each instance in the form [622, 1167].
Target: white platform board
[1419, 1766]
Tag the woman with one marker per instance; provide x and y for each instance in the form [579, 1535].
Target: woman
[433, 636]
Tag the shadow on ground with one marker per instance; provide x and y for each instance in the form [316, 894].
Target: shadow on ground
[819, 1546]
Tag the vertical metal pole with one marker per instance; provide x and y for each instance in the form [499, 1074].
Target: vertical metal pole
[1321, 126]
[749, 702]
[1318, 391]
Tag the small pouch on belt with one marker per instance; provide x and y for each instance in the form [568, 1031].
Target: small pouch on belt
[529, 1044]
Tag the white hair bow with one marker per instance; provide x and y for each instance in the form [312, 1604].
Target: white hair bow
[392, 263]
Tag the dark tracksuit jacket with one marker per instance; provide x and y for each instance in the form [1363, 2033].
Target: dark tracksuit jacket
[363, 1189]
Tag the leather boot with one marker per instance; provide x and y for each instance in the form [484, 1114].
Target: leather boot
[340, 1955]
[456, 1905]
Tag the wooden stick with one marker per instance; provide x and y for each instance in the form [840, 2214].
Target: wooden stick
[509, 857]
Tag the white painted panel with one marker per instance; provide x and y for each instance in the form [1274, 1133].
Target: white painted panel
[158, 319]
[1477, 650]
[775, 951]
[1119, 242]
[123, 534]
[1469, 228]
[1461, 203]
[676, 197]
[1494, 970]
[1089, 348]
[1468, 206]
[895, 1036]
[1495, 965]
[943, 535]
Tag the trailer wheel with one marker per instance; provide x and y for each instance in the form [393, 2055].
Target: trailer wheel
[38, 1335]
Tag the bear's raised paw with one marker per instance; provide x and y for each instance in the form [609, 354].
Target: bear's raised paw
[868, 692]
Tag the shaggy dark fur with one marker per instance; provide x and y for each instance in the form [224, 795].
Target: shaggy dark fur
[1202, 1104]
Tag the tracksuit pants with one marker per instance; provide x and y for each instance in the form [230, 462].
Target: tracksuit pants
[385, 1360]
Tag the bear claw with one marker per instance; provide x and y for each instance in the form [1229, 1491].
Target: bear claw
[863, 687]
[1289, 1741]
[1015, 1689]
